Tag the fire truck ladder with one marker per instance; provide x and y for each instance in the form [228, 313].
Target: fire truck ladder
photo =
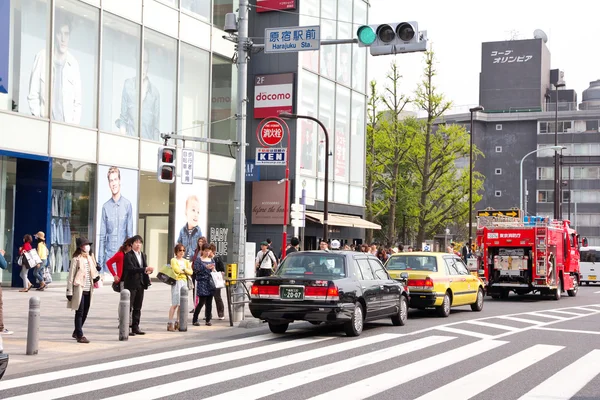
[541, 250]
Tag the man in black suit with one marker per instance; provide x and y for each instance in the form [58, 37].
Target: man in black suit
[136, 279]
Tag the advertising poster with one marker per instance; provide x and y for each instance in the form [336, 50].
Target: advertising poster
[267, 203]
[191, 212]
[116, 211]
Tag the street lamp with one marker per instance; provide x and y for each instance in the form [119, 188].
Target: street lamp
[472, 110]
[557, 197]
[555, 148]
[326, 190]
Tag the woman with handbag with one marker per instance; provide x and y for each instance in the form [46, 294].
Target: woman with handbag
[27, 239]
[183, 271]
[117, 261]
[80, 286]
[205, 286]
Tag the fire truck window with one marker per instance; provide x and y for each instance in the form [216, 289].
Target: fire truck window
[461, 267]
[451, 267]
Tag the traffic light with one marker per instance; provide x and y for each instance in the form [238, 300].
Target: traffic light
[166, 164]
[392, 38]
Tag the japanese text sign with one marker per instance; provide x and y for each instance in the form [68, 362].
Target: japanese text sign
[271, 156]
[187, 167]
[292, 39]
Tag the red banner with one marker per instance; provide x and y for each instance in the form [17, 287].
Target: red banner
[274, 5]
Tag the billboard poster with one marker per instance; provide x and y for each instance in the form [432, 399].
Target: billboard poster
[191, 212]
[340, 155]
[116, 210]
[274, 5]
[267, 203]
[273, 94]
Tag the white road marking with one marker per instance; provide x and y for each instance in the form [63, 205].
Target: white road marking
[379, 383]
[463, 332]
[129, 362]
[268, 388]
[142, 374]
[567, 330]
[490, 325]
[202, 380]
[539, 314]
[585, 309]
[568, 381]
[523, 320]
[566, 312]
[597, 292]
[471, 385]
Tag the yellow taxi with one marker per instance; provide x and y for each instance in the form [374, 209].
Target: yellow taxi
[439, 280]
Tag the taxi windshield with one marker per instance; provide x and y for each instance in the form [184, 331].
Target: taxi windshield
[320, 265]
[408, 263]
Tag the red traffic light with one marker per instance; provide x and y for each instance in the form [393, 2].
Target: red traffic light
[167, 155]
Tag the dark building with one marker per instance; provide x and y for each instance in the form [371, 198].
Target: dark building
[518, 91]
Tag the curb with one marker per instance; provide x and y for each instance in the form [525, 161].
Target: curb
[250, 323]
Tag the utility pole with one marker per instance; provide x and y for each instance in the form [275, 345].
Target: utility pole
[239, 199]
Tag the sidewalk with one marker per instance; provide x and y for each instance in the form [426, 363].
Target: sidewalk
[57, 347]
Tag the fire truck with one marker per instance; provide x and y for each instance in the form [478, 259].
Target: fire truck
[526, 254]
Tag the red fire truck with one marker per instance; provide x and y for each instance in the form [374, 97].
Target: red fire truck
[526, 254]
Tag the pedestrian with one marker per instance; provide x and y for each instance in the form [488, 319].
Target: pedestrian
[80, 286]
[117, 261]
[42, 251]
[219, 267]
[205, 287]
[182, 269]
[3, 265]
[265, 261]
[197, 253]
[27, 239]
[136, 279]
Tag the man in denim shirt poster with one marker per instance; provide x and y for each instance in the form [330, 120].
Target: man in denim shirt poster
[191, 232]
[116, 223]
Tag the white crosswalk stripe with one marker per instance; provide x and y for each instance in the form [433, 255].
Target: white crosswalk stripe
[277, 366]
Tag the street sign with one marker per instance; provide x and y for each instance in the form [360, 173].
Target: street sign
[297, 214]
[187, 166]
[298, 207]
[292, 39]
[298, 223]
[271, 133]
[271, 156]
[499, 213]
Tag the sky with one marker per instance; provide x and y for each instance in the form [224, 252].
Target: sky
[457, 28]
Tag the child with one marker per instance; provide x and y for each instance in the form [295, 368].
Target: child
[191, 232]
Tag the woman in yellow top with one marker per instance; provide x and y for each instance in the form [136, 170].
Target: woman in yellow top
[42, 251]
[182, 269]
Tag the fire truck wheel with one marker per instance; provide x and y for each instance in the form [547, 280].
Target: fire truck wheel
[478, 305]
[558, 291]
[573, 292]
[444, 309]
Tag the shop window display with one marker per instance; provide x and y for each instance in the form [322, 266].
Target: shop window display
[72, 208]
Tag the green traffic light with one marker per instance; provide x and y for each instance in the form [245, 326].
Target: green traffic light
[366, 35]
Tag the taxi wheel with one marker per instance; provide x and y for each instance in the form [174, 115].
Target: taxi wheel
[444, 309]
[399, 319]
[278, 328]
[478, 305]
[354, 327]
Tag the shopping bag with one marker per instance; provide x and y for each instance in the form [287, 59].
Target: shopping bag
[217, 278]
[32, 257]
[47, 276]
[166, 275]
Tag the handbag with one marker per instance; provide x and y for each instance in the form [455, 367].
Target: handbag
[190, 284]
[116, 287]
[166, 275]
[217, 279]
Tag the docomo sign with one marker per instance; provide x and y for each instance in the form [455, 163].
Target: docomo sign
[270, 131]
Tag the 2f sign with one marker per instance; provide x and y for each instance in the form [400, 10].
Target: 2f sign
[260, 80]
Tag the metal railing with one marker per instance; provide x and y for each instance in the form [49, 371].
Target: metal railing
[231, 302]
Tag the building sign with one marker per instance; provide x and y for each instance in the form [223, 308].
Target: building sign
[252, 171]
[271, 156]
[271, 133]
[340, 155]
[509, 56]
[187, 166]
[218, 236]
[292, 39]
[274, 5]
[274, 94]
[267, 203]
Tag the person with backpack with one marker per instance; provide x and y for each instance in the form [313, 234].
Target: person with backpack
[266, 263]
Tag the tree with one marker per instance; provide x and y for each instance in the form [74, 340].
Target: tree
[373, 116]
[443, 188]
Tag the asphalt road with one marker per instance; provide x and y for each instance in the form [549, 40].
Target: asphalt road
[520, 348]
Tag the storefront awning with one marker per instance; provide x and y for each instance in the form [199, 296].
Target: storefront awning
[341, 220]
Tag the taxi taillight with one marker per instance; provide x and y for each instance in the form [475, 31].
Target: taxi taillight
[427, 282]
[330, 292]
[264, 290]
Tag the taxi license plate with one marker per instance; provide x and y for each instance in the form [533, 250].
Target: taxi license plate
[592, 277]
[292, 293]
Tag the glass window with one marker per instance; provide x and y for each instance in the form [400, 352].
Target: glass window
[220, 218]
[405, 263]
[159, 74]
[309, 15]
[378, 269]
[365, 269]
[193, 93]
[318, 265]
[120, 99]
[328, 31]
[24, 82]
[359, 57]
[344, 51]
[153, 223]
[221, 8]
[199, 8]
[357, 139]
[461, 267]
[72, 212]
[326, 116]
[451, 268]
[223, 104]
[310, 132]
[342, 130]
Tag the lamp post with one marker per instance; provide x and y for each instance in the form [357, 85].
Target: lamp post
[555, 148]
[557, 196]
[472, 110]
[326, 190]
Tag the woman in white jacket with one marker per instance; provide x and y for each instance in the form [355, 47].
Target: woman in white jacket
[80, 285]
